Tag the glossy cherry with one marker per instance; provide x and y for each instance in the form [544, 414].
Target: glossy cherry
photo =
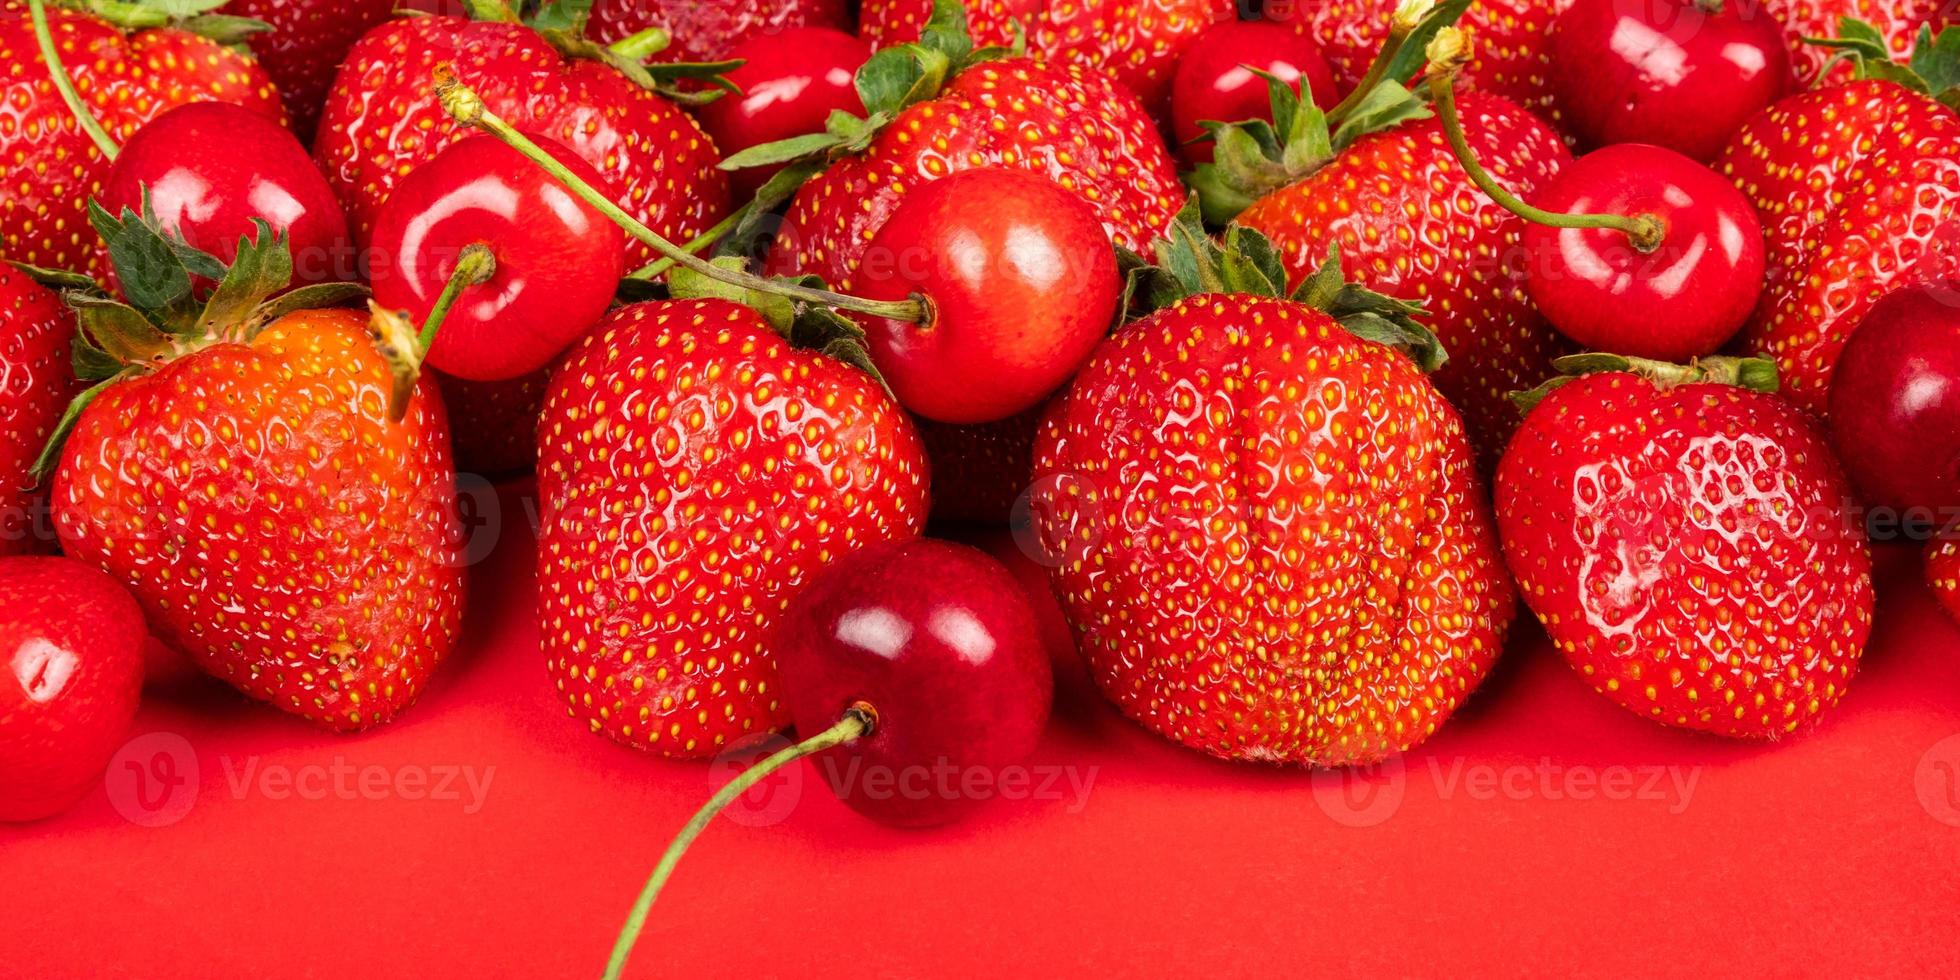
[557, 261]
[1021, 283]
[1895, 400]
[1683, 74]
[211, 168]
[1215, 81]
[915, 672]
[790, 83]
[1683, 297]
[71, 672]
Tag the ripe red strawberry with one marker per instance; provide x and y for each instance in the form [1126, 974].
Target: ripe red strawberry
[36, 383]
[382, 120]
[1858, 195]
[1512, 58]
[494, 424]
[1688, 545]
[1074, 126]
[125, 80]
[305, 45]
[1408, 222]
[237, 470]
[1271, 537]
[706, 30]
[694, 471]
[1136, 41]
[979, 471]
[69, 685]
[1897, 21]
[1943, 574]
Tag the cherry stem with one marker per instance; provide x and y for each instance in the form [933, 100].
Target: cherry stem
[1401, 22]
[44, 37]
[494, 11]
[642, 45]
[856, 723]
[474, 267]
[1644, 232]
[466, 107]
[653, 269]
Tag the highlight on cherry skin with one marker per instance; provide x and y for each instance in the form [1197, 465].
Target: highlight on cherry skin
[911, 656]
[553, 263]
[1020, 283]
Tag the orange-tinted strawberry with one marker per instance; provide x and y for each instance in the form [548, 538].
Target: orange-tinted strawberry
[237, 470]
[382, 120]
[1688, 545]
[1859, 191]
[1897, 21]
[694, 470]
[1511, 58]
[706, 30]
[1136, 41]
[125, 80]
[1409, 223]
[305, 43]
[36, 383]
[1270, 534]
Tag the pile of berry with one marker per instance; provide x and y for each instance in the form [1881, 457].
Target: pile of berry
[1300, 346]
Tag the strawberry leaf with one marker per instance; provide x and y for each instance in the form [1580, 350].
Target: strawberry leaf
[263, 267]
[150, 271]
[226, 29]
[315, 297]
[117, 330]
[54, 278]
[1933, 70]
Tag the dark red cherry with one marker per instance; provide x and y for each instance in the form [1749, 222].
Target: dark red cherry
[71, 672]
[212, 167]
[1682, 298]
[1895, 400]
[936, 643]
[558, 260]
[1022, 284]
[791, 81]
[1215, 82]
[1683, 74]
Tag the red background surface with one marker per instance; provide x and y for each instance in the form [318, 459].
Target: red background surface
[1828, 854]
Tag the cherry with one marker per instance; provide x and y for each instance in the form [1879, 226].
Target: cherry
[1021, 285]
[71, 672]
[532, 266]
[1683, 74]
[1215, 81]
[914, 668]
[212, 168]
[1634, 248]
[1895, 400]
[791, 81]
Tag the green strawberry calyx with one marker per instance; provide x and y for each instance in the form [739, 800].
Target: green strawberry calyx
[893, 80]
[562, 24]
[1254, 158]
[1189, 263]
[195, 16]
[163, 313]
[1932, 71]
[1753, 373]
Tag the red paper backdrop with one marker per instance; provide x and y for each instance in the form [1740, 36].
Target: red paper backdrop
[1542, 830]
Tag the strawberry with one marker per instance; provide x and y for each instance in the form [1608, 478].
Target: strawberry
[1898, 22]
[125, 79]
[1136, 41]
[74, 642]
[694, 471]
[382, 119]
[1512, 58]
[305, 45]
[980, 471]
[236, 468]
[1407, 219]
[1074, 126]
[1943, 574]
[36, 383]
[1858, 195]
[707, 30]
[1269, 532]
[494, 424]
[1687, 543]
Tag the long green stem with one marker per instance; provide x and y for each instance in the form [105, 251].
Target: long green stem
[855, 724]
[467, 108]
[642, 45]
[1446, 60]
[654, 269]
[44, 37]
[1398, 32]
[474, 267]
